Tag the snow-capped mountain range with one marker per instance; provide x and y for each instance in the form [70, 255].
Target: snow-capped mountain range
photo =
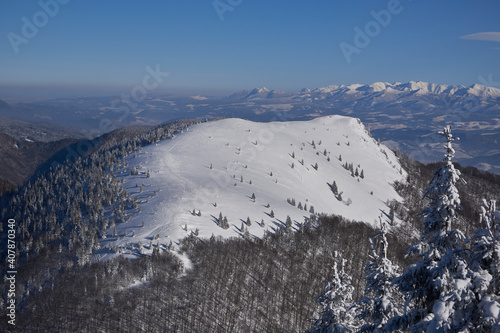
[261, 172]
[412, 87]
[385, 88]
[403, 115]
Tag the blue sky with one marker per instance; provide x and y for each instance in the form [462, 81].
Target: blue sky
[102, 47]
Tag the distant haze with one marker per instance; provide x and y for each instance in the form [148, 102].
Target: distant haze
[97, 48]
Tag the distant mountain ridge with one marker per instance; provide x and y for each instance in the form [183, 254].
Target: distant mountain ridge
[259, 93]
[403, 115]
[4, 105]
[411, 88]
[377, 91]
[401, 89]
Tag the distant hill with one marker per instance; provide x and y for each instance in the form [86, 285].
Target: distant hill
[20, 158]
[36, 131]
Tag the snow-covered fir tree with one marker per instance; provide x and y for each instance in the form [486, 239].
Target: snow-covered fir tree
[381, 300]
[337, 312]
[485, 266]
[437, 285]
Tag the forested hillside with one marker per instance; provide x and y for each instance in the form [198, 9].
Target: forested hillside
[234, 285]
[20, 158]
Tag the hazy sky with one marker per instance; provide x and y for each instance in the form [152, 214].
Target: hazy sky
[97, 47]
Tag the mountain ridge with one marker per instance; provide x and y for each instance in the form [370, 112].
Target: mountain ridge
[265, 173]
[396, 87]
[404, 115]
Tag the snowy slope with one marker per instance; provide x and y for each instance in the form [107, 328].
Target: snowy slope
[216, 167]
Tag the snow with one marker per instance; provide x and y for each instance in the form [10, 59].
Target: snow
[195, 170]
[329, 89]
[461, 284]
[491, 309]
[441, 311]
[379, 86]
[199, 98]
[480, 90]
[353, 87]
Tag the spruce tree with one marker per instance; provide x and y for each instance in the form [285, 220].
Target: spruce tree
[337, 314]
[485, 266]
[335, 189]
[225, 223]
[436, 283]
[288, 222]
[381, 300]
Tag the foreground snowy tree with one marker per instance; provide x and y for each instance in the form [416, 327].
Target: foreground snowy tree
[337, 313]
[437, 286]
[381, 300]
[485, 265]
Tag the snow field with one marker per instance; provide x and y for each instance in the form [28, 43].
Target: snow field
[217, 167]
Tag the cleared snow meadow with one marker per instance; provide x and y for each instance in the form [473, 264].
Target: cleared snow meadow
[251, 171]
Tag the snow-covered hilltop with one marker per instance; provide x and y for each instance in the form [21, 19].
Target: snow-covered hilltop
[261, 172]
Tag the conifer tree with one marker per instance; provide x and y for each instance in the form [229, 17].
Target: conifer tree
[381, 300]
[225, 223]
[288, 222]
[335, 189]
[485, 266]
[222, 221]
[435, 285]
[337, 314]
